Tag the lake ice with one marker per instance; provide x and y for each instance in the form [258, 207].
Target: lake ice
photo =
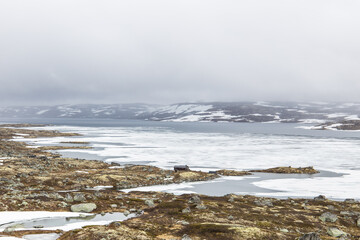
[212, 146]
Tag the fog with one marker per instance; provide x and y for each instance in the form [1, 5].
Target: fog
[162, 51]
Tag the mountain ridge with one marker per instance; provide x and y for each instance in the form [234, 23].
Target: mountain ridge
[196, 112]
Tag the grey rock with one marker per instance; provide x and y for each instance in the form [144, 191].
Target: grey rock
[183, 222]
[350, 200]
[351, 213]
[83, 207]
[79, 197]
[39, 226]
[230, 217]
[195, 199]
[358, 222]
[263, 202]
[320, 198]
[113, 205]
[186, 210]
[284, 230]
[126, 213]
[62, 204]
[200, 206]
[186, 237]
[149, 203]
[328, 217]
[310, 236]
[335, 232]
[331, 207]
[69, 198]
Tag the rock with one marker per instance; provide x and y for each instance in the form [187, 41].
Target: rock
[62, 204]
[186, 237]
[335, 232]
[358, 222]
[230, 217]
[183, 222]
[320, 198]
[351, 213]
[39, 226]
[83, 207]
[263, 202]
[194, 199]
[343, 238]
[331, 207]
[186, 210]
[113, 205]
[69, 198]
[231, 199]
[200, 206]
[328, 217]
[284, 230]
[126, 213]
[149, 203]
[349, 200]
[310, 236]
[79, 197]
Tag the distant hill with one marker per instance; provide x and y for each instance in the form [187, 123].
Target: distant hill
[208, 112]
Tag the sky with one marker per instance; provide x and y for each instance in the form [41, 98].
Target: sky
[168, 51]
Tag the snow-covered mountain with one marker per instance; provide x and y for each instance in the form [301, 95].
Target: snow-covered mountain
[121, 111]
[209, 112]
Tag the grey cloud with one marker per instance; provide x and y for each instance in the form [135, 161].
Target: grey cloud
[174, 51]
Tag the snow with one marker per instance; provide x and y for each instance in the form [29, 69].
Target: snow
[336, 188]
[352, 117]
[184, 108]
[42, 111]
[336, 115]
[238, 149]
[46, 236]
[97, 188]
[14, 216]
[312, 121]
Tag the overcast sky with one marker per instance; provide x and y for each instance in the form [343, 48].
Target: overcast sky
[166, 51]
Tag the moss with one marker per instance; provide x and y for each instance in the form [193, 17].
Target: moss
[210, 231]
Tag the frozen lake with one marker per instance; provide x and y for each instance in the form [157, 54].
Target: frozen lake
[212, 146]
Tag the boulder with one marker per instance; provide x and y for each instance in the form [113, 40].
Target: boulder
[328, 217]
[310, 236]
[335, 232]
[320, 198]
[195, 199]
[149, 203]
[83, 207]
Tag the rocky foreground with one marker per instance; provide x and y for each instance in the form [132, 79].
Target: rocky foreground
[32, 179]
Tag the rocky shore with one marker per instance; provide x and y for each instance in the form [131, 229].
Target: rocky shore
[32, 179]
[341, 125]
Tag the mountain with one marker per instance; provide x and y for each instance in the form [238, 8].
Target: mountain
[208, 112]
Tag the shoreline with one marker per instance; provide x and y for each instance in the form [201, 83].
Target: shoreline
[32, 180]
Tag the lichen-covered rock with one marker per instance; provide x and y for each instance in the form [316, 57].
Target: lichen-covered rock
[195, 199]
[320, 198]
[149, 203]
[335, 232]
[263, 202]
[83, 207]
[328, 217]
[310, 236]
